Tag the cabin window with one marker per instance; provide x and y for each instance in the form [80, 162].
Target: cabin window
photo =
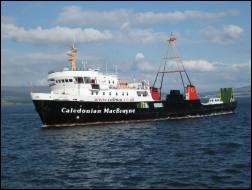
[92, 93]
[103, 93]
[96, 93]
[66, 80]
[110, 93]
[79, 80]
[87, 80]
[142, 93]
[116, 93]
[70, 80]
[109, 81]
[62, 80]
[123, 93]
[113, 82]
[127, 93]
[59, 81]
[95, 86]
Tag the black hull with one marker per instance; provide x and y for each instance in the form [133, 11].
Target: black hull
[60, 113]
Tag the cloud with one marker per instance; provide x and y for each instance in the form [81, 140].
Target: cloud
[139, 56]
[146, 66]
[226, 35]
[152, 17]
[59, 34]
[142, 64]
[206, 75]
[42, 58]
[223, 75]
[76, 15]
[53, 35]
[199, 65]
[7, 20]
[127, 33]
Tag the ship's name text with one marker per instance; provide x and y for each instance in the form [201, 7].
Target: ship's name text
[98, 111]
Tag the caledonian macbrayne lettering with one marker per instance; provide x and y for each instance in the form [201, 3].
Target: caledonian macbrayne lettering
[98, 111]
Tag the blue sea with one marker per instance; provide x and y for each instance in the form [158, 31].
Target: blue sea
[206, 152]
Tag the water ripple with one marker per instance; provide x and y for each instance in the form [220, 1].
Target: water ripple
[211, 152]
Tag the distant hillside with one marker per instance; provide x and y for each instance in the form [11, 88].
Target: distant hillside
[19, 94]
[244, 89]
[238, 92]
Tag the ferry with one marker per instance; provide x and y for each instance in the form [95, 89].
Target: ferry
[88, 96]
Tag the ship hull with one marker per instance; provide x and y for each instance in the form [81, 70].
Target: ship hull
[68, 113]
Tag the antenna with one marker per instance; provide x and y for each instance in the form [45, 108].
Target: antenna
[106, 67]
[85, 61]
[172, 46]
[73, 41]
[116, 69]
[31, 86]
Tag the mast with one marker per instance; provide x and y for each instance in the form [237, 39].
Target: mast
[72, 54]
[171, 45]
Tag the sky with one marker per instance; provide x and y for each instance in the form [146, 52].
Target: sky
[213, 40]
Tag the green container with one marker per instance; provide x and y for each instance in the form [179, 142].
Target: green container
[226, 94]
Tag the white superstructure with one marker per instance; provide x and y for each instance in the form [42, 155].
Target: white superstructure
[91, 85]
[213, 101]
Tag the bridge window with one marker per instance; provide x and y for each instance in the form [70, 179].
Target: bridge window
[87, 80]
[142, 93]
[95, 86]
[79, 80]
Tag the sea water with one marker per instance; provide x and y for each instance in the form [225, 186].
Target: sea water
[205, 152]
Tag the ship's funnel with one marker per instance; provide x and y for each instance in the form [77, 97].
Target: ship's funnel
[191, 93]
[155, 93]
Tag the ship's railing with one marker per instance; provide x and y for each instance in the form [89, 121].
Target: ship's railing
[78, 69]
[129, 87]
